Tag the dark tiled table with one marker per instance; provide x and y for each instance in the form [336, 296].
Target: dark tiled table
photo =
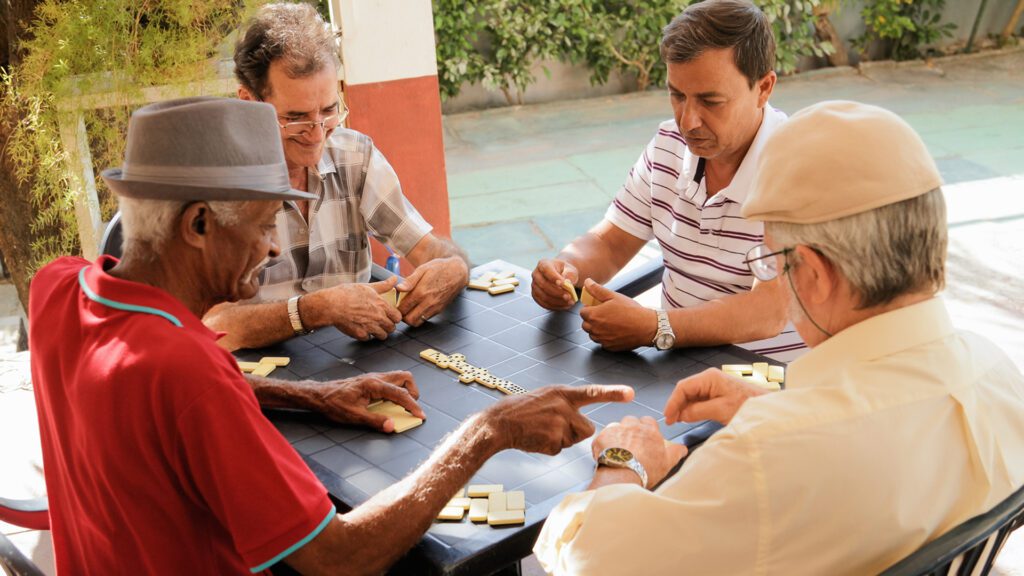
[514, 338]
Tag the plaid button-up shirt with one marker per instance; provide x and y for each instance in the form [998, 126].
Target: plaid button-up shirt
[358, 194]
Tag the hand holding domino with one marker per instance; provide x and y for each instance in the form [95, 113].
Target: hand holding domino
[554, 284]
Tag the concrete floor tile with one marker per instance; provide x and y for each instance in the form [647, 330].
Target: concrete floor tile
[607, 168]
[483, 242]
[512, 178]
[527, 203]
[564, 228]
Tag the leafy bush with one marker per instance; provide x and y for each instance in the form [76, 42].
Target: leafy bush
[497, 42]
[906, 26]
[76, 47]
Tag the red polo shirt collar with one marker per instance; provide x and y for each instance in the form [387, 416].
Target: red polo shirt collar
[135, 297]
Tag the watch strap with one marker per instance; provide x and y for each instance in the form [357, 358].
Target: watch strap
[295, 318]
[631, 464]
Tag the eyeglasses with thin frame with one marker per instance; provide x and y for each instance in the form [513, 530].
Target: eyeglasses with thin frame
[763, 264]
[304, 127]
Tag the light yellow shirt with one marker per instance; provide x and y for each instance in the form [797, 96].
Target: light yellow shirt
[889, 433]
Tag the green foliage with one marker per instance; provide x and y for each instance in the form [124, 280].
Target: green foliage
[906, 26]
[117, 47]
[498, 42]
[625, 35]
[792, 22]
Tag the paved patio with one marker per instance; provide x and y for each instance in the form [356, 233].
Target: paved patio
[525, 181]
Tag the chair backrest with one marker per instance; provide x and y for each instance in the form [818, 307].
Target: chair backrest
[13, 562]
[32, 514]
[113, 240]
[970, 548]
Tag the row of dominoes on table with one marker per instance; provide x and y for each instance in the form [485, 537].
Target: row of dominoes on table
[760, 373]
[486, 503]
[468, 373]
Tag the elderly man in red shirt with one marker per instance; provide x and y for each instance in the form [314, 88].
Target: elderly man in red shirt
[157, 458]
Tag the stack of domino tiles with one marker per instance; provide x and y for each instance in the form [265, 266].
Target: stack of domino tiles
[495, 283]
[468, 373]
[265, 366]
[486, 503]
[760, 373]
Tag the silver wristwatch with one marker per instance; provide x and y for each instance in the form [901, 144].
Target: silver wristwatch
[622, 458]
[665, 339]
[294, 318]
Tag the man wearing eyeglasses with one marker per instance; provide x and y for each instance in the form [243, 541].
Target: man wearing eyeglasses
[287, 57]
[893, 429]
[685, 191]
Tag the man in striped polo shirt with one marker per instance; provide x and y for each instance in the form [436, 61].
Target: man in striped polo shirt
[287, 57]
[686, 191]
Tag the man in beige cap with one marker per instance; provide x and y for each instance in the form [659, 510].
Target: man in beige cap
[156, 455]
[287, 56]
[893, 429]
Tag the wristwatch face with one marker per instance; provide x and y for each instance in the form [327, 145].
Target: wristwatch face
[618, 455]
[665, 341]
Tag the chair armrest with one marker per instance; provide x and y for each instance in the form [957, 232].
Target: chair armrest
[378, 272]
[638, 280]
[12, 561]
[32, 514]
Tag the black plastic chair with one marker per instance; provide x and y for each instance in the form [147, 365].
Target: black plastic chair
[638, 280]
[970, 548]
[113, 239]
[13, 562]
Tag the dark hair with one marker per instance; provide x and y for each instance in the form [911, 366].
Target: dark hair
[293, 32]
[715, 24]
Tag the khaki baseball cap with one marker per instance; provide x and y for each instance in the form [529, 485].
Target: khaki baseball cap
[838, 158]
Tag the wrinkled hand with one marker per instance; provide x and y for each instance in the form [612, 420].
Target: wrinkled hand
[642, 437]
[357, 309]
[618, 323]
[431, 287]
[548, 419]
[710, 395]
[547, 287]
[346, 400]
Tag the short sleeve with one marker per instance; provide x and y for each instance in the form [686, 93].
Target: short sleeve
[631, 208]
[704, 520]
[252, 480]
[389, 215]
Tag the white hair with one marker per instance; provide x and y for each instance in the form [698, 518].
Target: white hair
[147, 224]
[883, 253]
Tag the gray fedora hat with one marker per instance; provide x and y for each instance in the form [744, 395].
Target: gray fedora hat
[204, 149]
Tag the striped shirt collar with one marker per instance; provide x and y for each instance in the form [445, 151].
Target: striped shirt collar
[739, 187]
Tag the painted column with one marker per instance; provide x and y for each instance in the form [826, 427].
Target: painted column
[391, 87]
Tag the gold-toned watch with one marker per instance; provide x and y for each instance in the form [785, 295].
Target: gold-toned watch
[294, 318]
[622, 458]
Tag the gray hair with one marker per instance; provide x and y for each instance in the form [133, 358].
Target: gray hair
[883, 253]
[292, 33]
[147, 225]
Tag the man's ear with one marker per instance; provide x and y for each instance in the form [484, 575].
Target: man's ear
[195, 224]
[815, 275]
[764, 88]
[245, 94]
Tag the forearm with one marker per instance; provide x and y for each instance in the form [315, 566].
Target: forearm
[434, 247]
[377, 533]
[593, 257]
[250, 325]
[737, 318]
[274, 393]
[606, 476]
